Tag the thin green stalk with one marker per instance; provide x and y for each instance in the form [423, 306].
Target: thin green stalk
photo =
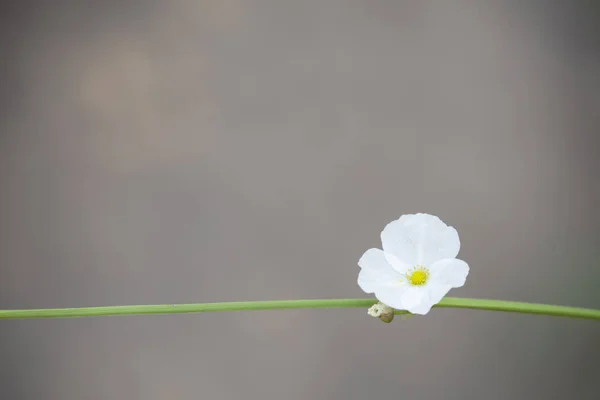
[520, 307]
[449, 302]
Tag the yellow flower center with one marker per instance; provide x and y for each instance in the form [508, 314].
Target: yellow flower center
[418, 275]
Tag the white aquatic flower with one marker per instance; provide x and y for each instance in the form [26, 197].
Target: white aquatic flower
[417, 266]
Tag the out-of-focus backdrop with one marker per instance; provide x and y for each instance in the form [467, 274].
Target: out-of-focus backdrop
[198, 151]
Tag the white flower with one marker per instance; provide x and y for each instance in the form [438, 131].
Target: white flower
[417, 266]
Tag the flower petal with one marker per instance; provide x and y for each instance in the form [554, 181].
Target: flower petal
[430, 297]
[436, 293]
[450, 271]
[423, 308]
[391, 294]
[420, 239]
[375, 271]
[398, 265]
[413, 297]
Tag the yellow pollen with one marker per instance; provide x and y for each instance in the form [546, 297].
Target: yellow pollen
[418, 275]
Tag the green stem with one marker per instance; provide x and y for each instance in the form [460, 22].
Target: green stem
[449, 302]
[520, 307]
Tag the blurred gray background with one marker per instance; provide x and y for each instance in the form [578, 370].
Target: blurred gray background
[199, 151]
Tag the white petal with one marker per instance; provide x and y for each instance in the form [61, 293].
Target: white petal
[413, 297]
[450, 271]
[420, 239]
[423, 308]
[436, 293]
[398, 265]
[375, 271]
[391, 294]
